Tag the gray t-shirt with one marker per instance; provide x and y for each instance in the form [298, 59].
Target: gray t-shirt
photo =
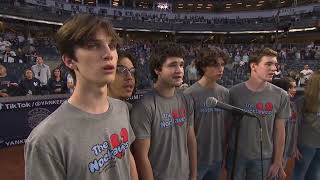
[209, 122]
[269, 105]
[291, 131]
[73, 144]
[309, 129]
[165, 122]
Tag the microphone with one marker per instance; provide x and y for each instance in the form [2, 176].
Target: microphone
[213, 102]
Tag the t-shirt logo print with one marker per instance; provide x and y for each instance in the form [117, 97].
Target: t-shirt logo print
[107, 151]
[117, 141]
[175, 117]
[267, 107]
[178, 114]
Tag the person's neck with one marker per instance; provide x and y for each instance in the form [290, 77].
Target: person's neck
[113, 95]
[3, 75]
[57, 78]
[206, 82]
[90, 98]
[164, 90]
[256, 85]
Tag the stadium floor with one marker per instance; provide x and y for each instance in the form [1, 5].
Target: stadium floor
[12, 164]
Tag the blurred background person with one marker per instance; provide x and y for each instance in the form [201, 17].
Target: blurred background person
[8, 85]
[307, 165]
[41, 71]
[30, 85]
[56, 84]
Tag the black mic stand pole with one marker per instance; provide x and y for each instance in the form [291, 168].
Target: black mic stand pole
[236, 123]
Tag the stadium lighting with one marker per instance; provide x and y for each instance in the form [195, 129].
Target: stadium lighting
[210, 5]
[239, 3]
[259, 5]
[282, 2]
[261, 2]
[228, 4]
[200, 4]
[162, 6]
[248, 5]
[190, 4]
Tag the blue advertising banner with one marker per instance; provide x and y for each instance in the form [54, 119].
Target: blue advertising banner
[19, 115]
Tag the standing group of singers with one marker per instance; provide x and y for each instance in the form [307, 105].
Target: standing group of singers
[166, 135]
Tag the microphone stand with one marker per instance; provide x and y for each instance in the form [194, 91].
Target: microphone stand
[237, 122]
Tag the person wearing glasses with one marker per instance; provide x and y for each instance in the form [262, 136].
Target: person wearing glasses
[209, 122]
[123, 85]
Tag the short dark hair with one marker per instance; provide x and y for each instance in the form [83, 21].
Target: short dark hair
[209, 56]
[289, 80]
[78, 30]
[283, 83]
[124, 54]
[25, 71]
[258, 54]
[160, 55]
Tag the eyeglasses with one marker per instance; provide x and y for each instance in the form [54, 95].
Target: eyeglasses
[124, 71]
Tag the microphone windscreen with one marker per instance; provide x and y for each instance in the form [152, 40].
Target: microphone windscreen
[211, 102]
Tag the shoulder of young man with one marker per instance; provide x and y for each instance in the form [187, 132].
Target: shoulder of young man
[147, 99]
[236, 87]
[277, 89]
[117, 102]
[193, 88]
[47, 129]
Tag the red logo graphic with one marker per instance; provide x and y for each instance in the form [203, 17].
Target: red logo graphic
[267, 107]
[259, 106]
[178, 114]
[117, 141]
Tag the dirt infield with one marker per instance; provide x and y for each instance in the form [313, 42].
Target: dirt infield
[12, 164]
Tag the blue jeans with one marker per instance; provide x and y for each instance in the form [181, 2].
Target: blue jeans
[211, 172]
[249, 168]
[309, 166]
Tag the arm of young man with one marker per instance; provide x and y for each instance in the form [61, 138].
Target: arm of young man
[278, 146]
[140, 152]
[141, 126]
[133, 168]
[282, 114]
[191, 138]
[192, 148]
